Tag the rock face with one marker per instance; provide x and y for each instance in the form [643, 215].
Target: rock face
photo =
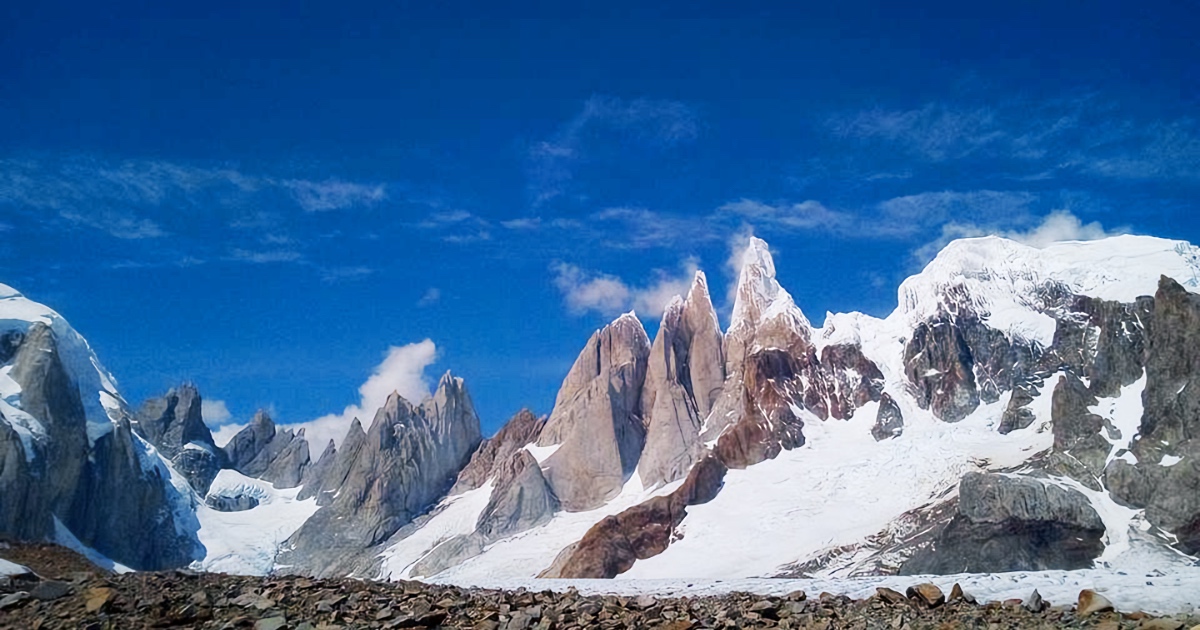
[1078, 432]
[398, 470]
[1007, 523]
[1167, 450]
[523, 428]
[611, 546]
[773, 368]
[685, 375]
[261, 451]
[597, 417]
[97, 480]
[174, 425]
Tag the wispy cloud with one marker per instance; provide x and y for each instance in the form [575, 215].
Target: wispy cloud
[264, 257]
[1029, 140]
[458, 226]
[335, 274]
[806, 215]
[640, 228]
[120, 225]
[638, 123]
[333, 194]
[215, 412]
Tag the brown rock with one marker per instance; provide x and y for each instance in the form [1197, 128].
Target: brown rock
[928, 594]
[1162, 623]
[890, 596]
[98, 598]
[1091, 602]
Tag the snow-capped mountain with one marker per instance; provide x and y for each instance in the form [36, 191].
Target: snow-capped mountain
[1021, 409]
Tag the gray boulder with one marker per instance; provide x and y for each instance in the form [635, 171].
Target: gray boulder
[1009, 523]
[597, 417]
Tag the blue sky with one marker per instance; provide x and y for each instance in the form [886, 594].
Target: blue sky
[265, 198]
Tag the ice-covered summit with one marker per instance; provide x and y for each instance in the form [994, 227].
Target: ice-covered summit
[1006, 282]
[759, 296]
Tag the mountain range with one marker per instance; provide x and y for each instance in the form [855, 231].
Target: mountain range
[1021, 409]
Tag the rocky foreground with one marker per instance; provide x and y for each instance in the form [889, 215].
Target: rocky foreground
[64, 591]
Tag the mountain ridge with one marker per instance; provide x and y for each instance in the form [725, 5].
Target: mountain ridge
[1024, 362]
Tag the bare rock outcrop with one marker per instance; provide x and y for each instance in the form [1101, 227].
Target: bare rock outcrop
[523, 428]
[773, 369]
[174, 425]
[104, 487]
[1167, 449]
[597, 417]
[405, 463]
[262, 451]
[889, 421]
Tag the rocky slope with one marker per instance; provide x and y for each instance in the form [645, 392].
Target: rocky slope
[1022, 409]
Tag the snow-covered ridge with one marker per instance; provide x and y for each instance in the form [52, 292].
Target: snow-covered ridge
[102, 402]
[1001, 280]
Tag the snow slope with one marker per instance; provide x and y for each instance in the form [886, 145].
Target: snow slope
[245, 543]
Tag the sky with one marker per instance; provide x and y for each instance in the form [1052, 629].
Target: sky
[303, 206]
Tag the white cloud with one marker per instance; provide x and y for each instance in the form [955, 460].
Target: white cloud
[584, 292]
[402, 371]
[273, 256]
[334, 274]
[214, 412]
[333, 194]
[609, 295]
[653, 299]
[1061, 225]
[648, 123]
[1057, 226]
[224, 433]
[119, 224]
[739, 242]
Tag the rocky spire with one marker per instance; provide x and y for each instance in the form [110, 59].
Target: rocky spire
[684, 376]
[171, 423]
[262, 451]
[407, 461]
[597, 417]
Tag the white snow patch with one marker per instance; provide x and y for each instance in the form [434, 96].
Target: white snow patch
[1125, 413]
[247, 542]
[541, 453]
[1169, 460]
[11, 568]
[454, 516]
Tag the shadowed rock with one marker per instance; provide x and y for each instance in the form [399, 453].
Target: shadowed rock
[174, 425]
[523, 428]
